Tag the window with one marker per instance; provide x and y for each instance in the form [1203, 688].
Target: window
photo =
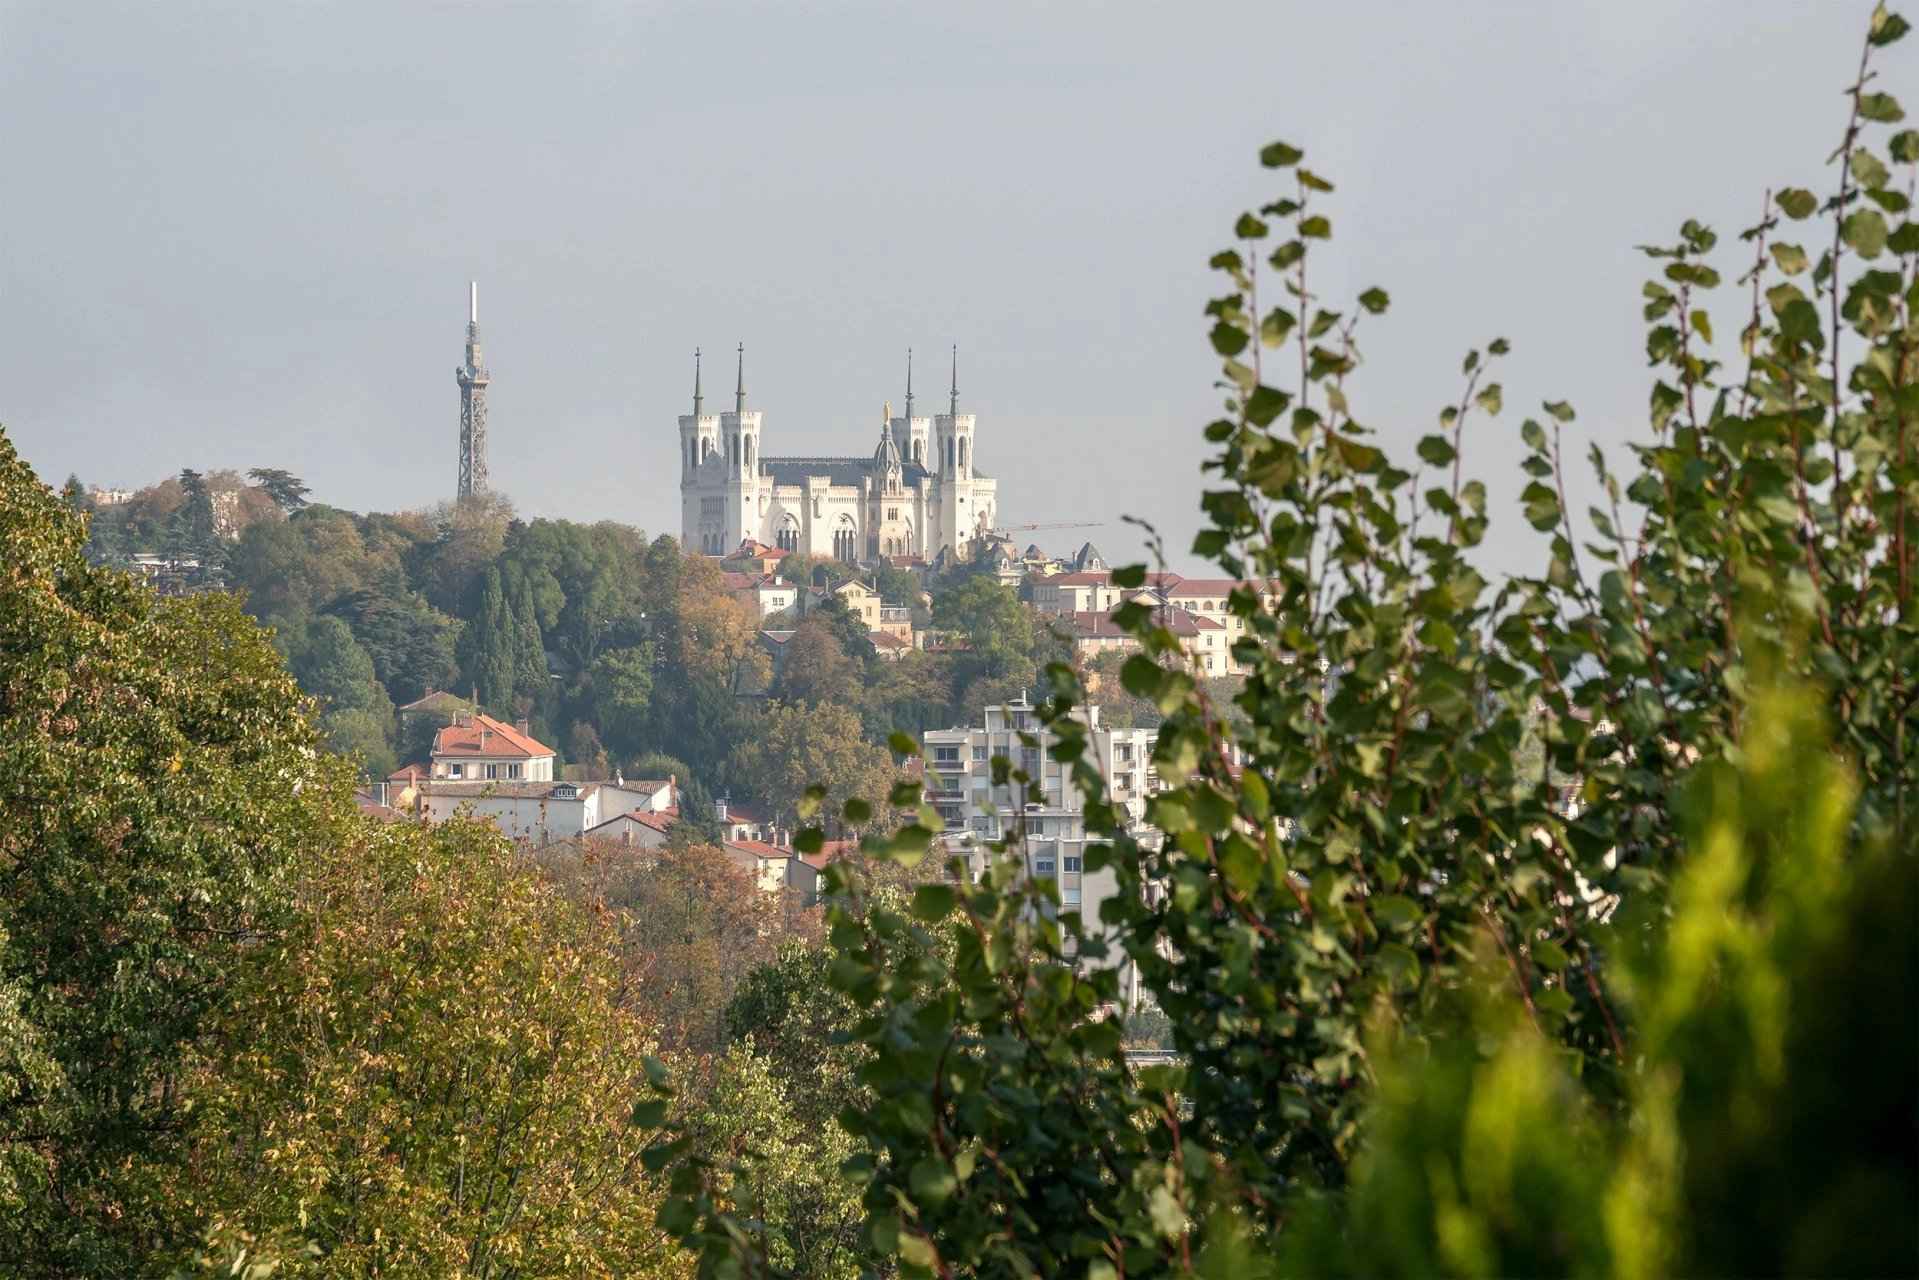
[979, 751]
[1072, 862]
[493, 771]
[455, 770]
[513, 771]
[946, 755]
[1069, 896]
[1042, 866]
[892, 513]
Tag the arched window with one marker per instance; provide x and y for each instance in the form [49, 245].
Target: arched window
[917, 447]
[749, 453]
[962, 455]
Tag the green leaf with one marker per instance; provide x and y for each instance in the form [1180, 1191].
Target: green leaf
[902, 744]
[1229, 339]
[934, 902]
[1141, 676]
[1249, 228]
[1436, 451]
[1278, 155]
[1129, 577]
[1396, 911]
[1790, 257]
[1560, 410]
[1886, 26]
[1317, 227]
[1374, 300]
[1549, 955]
[1797, 202]
[811, 800]
[857, 811]
[1865, 231]
[1490, 399]
[1868, 169]
[1904, 146]
[650, 1114]
[1882, 107]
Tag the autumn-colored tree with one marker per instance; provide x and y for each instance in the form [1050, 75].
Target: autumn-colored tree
[795, 746]
[431, 1073]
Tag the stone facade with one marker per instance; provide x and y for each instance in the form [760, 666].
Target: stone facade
[917, 494]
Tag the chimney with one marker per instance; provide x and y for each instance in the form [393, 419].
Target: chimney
[483, 737]
[520, 724]
[719, 809]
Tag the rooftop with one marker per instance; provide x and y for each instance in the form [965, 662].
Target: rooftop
[482, 735]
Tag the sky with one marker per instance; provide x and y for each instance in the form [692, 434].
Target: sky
[240, 234]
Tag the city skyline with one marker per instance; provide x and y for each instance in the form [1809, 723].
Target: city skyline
[236, 239]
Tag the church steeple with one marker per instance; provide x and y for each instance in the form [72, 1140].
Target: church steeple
[952, 406]
[909, 384]
[739, 384]
[697, 398]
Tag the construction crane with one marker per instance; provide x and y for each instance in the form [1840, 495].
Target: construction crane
[1061, 524]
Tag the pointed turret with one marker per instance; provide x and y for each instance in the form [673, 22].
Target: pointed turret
[698, 400]
[952, 404]
[739, 383]
[909, 384]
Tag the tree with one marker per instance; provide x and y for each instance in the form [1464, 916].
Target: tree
[452, 1108]
[190, 531]
[1353, 863]
[488, 647]
[814, 668]
[283, 487]
[74, 494]
[833, 613]
[161, 785]
[990, 618]
[623, 695]
[795, 746]
[413, 645]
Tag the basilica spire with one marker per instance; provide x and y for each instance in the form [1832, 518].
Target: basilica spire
[739, 384]
[952, 406]
[697, 398]
[909, 384]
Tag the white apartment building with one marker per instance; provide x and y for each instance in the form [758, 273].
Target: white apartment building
[1049, 811]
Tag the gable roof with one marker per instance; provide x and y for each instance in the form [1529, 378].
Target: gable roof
[659, 822]
[1094, 625]
[1090, 578]
[438, 700]
[760, 849]
[485, 736]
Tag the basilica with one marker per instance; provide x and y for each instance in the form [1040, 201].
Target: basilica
[916, 494]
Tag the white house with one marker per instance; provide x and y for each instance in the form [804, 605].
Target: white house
[480, 748]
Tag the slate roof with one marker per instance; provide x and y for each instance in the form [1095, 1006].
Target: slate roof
[847, 472]
[490, 788]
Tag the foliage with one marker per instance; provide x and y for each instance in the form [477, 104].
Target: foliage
[431, 1075]
[283, 487]
[688, 926]
[1343, 855]
[988, 617]
[160, 785]
[814, 666]
[795, 745]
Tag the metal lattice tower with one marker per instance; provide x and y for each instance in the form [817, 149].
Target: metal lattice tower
[473, 379]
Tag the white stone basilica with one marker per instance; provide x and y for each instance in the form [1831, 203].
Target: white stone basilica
[916, 494]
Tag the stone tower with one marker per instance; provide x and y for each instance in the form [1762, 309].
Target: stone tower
[473, 379]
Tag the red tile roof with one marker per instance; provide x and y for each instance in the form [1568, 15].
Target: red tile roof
[410, 774]
[1094, 625]
[485, 736]
[759, 848]
[660, 822]
[1091, 578]
[886, 640]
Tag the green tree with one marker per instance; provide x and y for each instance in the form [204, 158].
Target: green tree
[283, 487]
[795, 745]
[1354, 848]
[623, 696]
[487, 647]
[331, 665]
[989, 618]
[833, 613]
[161, 784]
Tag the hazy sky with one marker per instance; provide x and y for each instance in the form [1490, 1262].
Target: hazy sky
[239, 235]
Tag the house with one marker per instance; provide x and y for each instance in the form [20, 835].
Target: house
[860, 600]
[639, 829]
[437, 704]
[754, 557]
[1065, 594]
[480, 748]
[888, 645]
[743, 822]
[538, 812]
[897, 620]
